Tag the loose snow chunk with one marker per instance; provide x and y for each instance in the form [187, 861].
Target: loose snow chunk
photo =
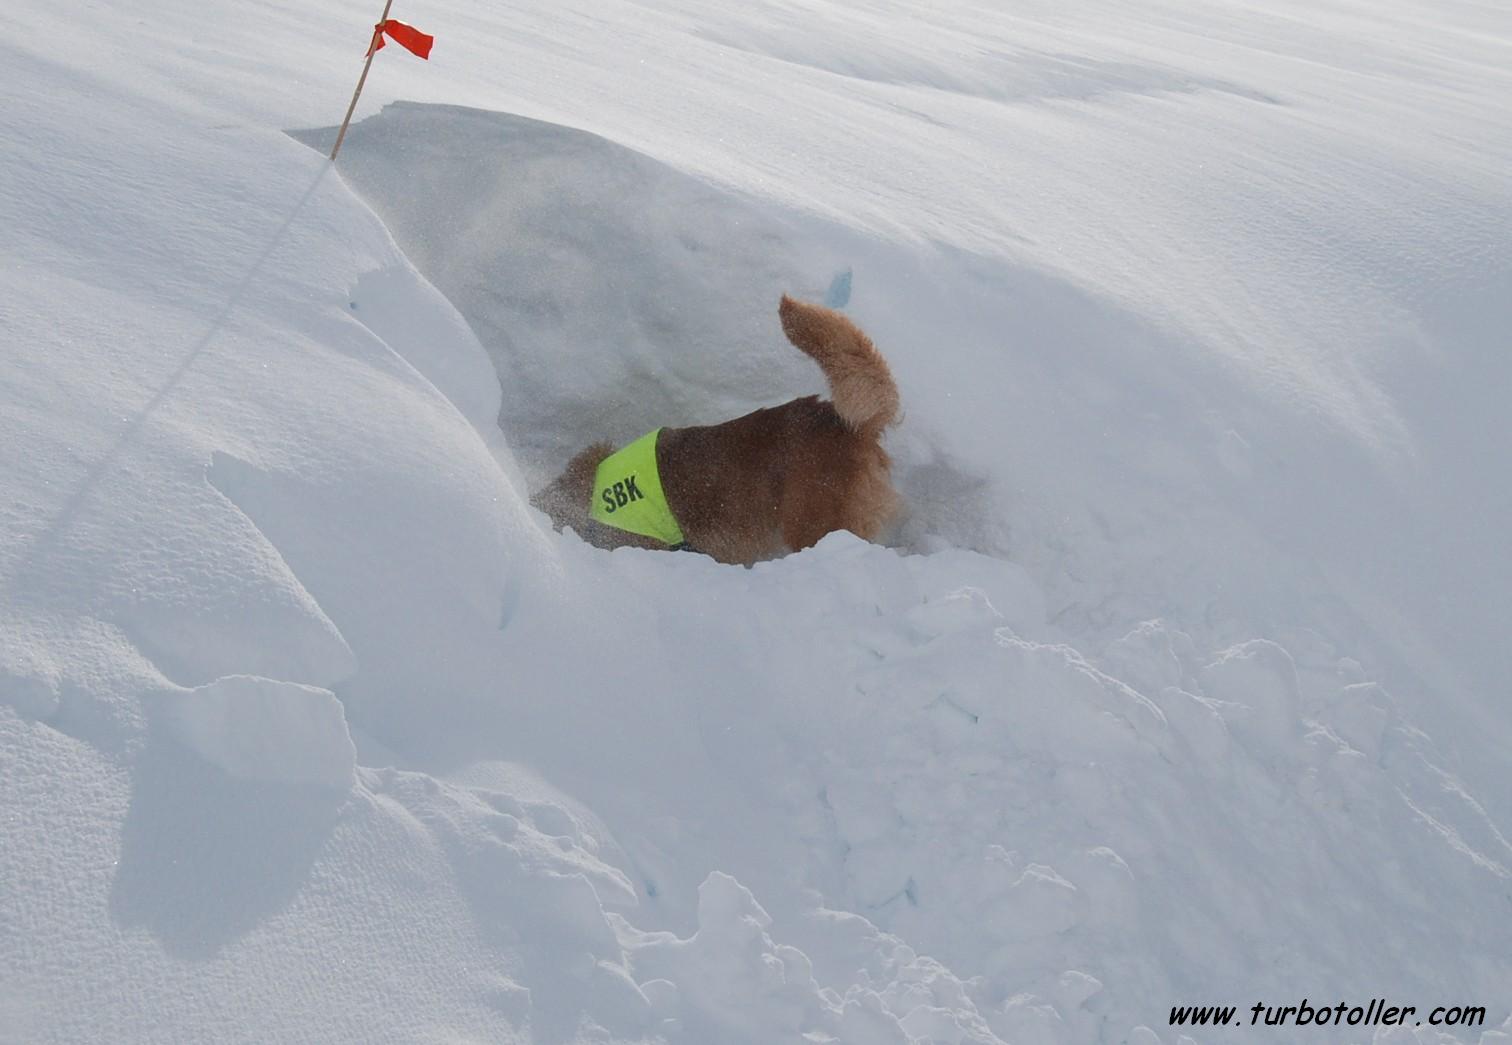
[958, 611]
[1259, 675]
[731, 975]
[263, 729]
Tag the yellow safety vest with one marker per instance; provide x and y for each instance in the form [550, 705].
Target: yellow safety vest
[627, 493]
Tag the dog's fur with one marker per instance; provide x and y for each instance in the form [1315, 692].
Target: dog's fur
[777, 479]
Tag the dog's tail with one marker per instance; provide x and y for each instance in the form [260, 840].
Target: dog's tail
[861, 385]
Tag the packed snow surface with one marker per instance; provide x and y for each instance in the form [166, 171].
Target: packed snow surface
[1180, 682]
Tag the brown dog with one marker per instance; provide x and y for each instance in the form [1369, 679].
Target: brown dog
[775, 480]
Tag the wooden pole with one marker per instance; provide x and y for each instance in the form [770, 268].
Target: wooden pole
[372, 50]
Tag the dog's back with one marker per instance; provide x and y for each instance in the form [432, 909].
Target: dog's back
[780, 478]
[777, 479]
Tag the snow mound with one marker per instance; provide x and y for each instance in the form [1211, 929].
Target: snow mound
[261, 729]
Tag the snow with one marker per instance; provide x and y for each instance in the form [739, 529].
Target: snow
[262, 729]
[1180, 682]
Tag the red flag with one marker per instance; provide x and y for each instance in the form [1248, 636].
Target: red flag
[406, 36]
